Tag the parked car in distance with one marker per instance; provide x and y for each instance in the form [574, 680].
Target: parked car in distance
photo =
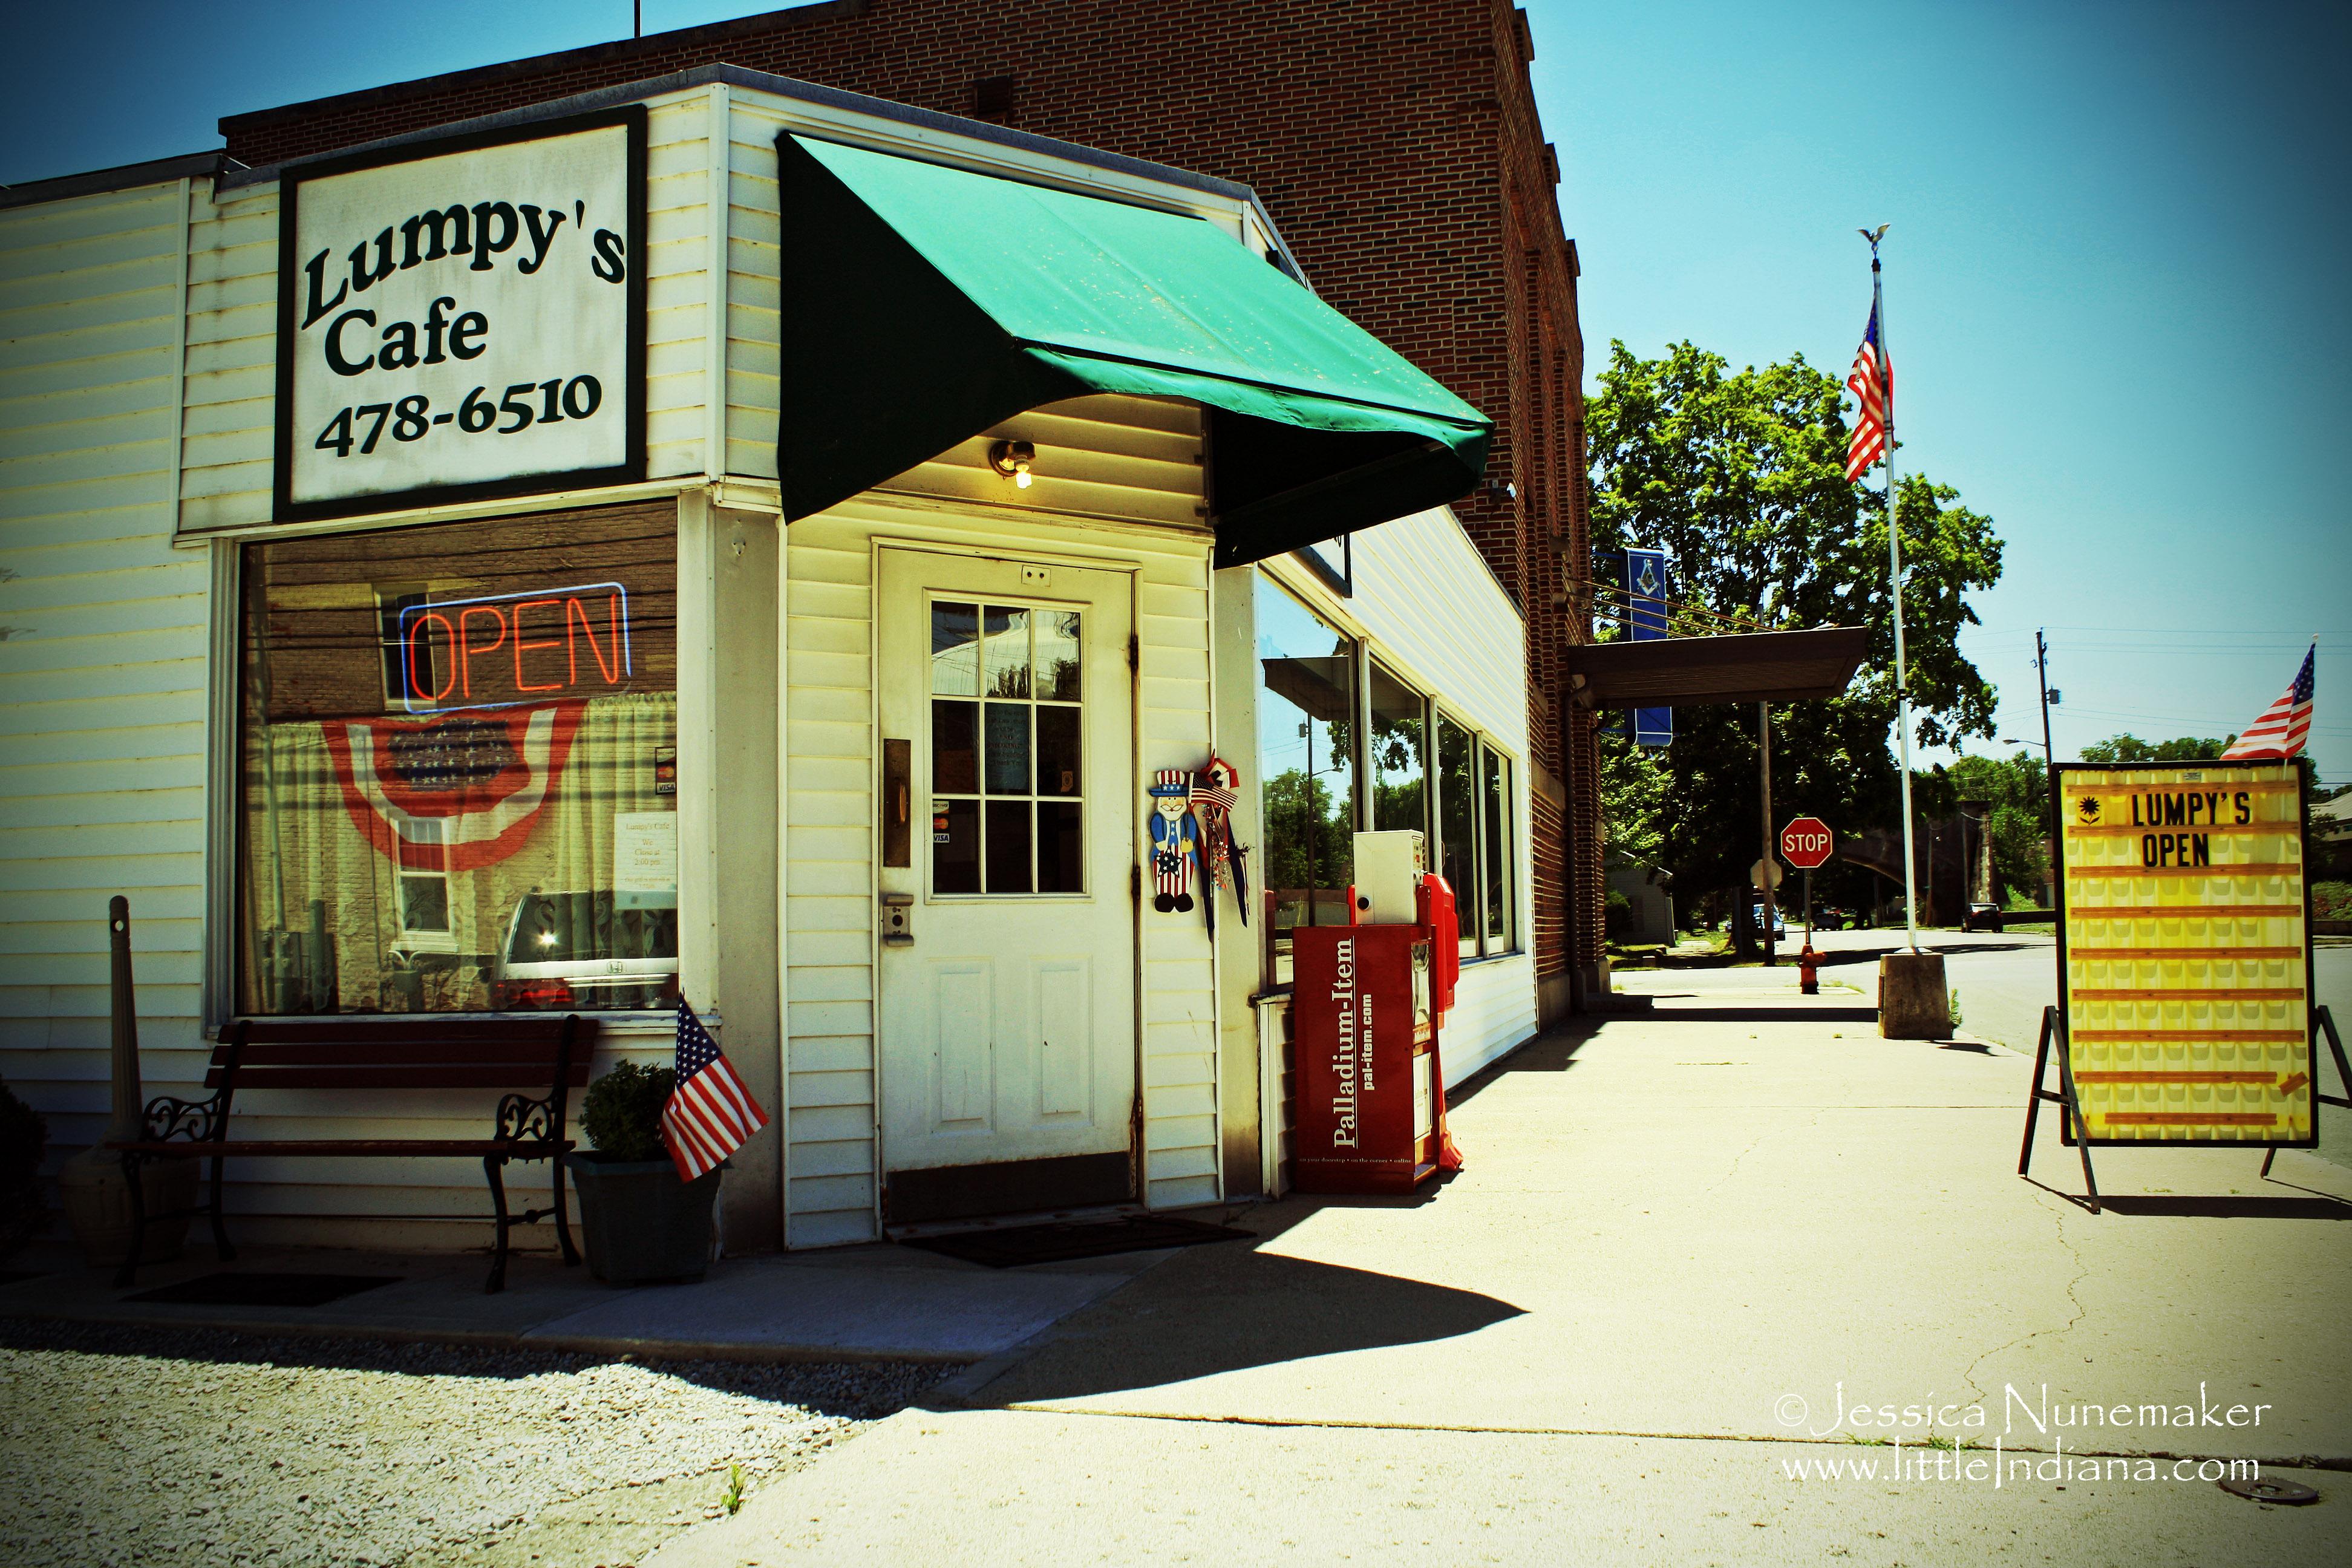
[1981, 917]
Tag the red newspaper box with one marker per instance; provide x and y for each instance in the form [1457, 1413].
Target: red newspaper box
[1370, 1109]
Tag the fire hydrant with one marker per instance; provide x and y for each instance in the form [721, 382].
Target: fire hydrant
[1809, 965]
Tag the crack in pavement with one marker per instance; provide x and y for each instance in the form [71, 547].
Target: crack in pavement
[2056, 1210]
[1026, 1407]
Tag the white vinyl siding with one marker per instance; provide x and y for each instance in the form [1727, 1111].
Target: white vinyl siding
[102, 651]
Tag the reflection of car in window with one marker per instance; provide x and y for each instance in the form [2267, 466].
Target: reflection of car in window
[577, 950]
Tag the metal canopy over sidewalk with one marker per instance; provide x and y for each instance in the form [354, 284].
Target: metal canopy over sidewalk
[924, 304]
[1749, 667]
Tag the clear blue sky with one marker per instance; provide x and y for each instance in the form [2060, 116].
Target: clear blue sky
[2116, 298]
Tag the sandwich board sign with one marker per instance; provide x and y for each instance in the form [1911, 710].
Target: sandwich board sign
[2185, 1013]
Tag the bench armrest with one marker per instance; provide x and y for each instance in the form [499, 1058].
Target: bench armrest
[524, 1119]
[170, 1119]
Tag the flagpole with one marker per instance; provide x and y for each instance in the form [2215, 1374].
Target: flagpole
[1894, 569]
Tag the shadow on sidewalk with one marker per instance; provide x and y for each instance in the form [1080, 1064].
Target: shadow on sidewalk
[2227, 1208]
[1229, 1307]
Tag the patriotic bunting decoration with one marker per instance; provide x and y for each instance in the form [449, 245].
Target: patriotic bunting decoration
[455, 793]
[710, 1113]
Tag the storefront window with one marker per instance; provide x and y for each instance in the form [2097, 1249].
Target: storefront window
[1399, 759]
[1457, 815]
[458, 768]
[1495, 842]
[1306, 759]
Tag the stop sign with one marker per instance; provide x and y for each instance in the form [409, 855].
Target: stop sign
[1806, 842]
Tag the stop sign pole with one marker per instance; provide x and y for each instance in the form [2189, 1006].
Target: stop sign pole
[1806, 843]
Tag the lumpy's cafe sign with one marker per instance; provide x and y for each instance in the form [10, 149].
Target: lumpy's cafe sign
[463, 318]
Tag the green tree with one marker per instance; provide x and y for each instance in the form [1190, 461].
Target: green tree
[2132, 749]
[1740, 479]
[1308, 843]
[2016, 792]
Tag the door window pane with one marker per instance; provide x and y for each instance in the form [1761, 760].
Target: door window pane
[1008, 748]
[1058, 751]
[1307, 760]
[955, 649]
[1020, 753]
[955, 847]
[1495, 822]
[1057, 656]
[1008, 847]
[444, 733]
[955, 748]
[1061, 847]
[1006, 672]
[1399, 759]
[1457, 815]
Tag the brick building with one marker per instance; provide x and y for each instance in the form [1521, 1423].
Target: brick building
[1395, 143]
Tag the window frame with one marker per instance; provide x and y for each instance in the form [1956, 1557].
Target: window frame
[692, 558]
[1366, 657]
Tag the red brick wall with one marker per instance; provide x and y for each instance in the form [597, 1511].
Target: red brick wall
[1395, 143]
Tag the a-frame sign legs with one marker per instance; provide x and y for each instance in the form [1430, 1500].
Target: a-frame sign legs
[2323, 1019]
[2070, 1113]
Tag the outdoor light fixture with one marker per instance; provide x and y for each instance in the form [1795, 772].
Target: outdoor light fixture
[1011, 458]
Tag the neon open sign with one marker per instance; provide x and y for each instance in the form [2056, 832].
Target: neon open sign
[506, 649]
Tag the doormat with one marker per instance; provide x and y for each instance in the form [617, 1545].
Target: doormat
[1065, 1241]
[264, 1289]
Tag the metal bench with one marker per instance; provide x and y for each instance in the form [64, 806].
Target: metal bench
[538, 1061]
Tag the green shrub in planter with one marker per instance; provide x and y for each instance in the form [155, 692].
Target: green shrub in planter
[622, 1114]
[640, 1224]
[24, 1135]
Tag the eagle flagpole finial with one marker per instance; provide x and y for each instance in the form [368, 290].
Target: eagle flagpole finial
[1873, 236]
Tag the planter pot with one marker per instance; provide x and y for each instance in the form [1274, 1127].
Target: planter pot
[97, 1201]
[640, 1222]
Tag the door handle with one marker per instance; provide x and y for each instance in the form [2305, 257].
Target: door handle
[897, 916]
[897, 802]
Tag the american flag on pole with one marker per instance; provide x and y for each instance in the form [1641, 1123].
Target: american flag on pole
[1871, 382]
[709, 1113]
[2286, 725]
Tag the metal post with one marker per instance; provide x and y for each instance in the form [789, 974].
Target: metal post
[129, 1117]
[2049, 762]
[1895, 568]
[1771, 904]
[1808, 905]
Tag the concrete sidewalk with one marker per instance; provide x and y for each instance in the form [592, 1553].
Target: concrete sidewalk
[1685, 1250]
[879, 1303]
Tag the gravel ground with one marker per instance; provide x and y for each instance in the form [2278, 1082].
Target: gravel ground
[135, 1447]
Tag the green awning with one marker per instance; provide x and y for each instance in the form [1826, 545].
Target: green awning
[923, 305]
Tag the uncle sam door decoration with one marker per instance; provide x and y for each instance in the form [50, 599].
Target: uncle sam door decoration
[1175, 841]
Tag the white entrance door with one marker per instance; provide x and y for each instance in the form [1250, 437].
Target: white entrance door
[1007, 1007]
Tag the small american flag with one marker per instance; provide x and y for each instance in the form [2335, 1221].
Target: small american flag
[1872, 382]
[709, 1113]
[2286, 725]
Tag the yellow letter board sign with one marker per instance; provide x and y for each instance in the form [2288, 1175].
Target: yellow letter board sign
[2184, 952]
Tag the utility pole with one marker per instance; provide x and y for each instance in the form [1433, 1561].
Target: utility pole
[1764, 742]
[2048, 766]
